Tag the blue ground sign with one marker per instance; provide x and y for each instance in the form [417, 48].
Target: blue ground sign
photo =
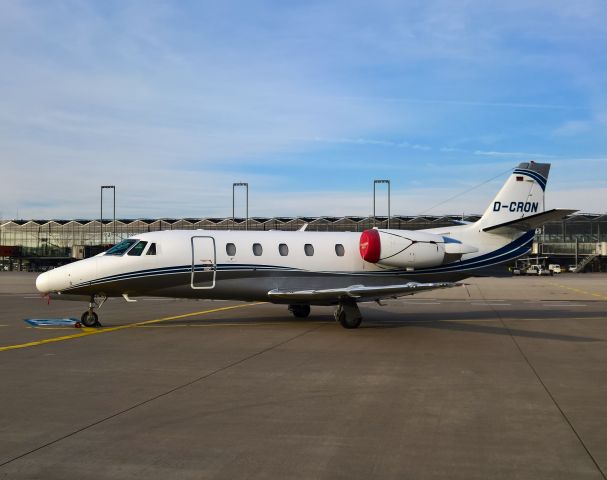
[51, 322]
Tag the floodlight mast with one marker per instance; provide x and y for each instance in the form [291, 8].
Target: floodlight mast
[375, 182]
[103, 187]
[234, 185]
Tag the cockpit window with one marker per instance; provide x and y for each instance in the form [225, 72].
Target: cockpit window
[152, 249]
[121, 247]
[137, 249]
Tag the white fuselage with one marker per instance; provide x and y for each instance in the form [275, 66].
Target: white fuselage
[247, 264]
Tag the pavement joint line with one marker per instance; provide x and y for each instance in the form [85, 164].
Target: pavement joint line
[95, 331]
[170, 391]
[547, 390]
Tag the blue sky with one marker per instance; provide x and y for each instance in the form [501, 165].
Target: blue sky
[307, 101]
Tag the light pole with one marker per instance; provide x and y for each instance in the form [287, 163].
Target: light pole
[103, 187]
[240, 184]
[375, 182]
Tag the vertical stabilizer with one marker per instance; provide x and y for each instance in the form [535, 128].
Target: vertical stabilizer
[521, 196]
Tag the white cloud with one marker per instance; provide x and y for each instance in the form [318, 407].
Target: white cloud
[375, 142]
[586, 200]
[577, 128]
[511, 154]
[573, 127]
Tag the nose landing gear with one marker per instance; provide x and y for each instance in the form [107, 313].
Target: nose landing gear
[90, 318]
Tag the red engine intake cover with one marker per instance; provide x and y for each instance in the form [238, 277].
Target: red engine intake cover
[370, 246]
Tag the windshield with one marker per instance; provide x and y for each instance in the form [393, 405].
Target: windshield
[121, 247]
[137, 249]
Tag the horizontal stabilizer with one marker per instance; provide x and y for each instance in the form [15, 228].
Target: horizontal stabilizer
[359, 293]
[530, 222]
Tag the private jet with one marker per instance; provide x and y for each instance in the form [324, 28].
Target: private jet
[304, 268]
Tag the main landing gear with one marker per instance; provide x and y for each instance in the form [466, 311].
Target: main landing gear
[300, 311]
[90, 318]
[348, 315]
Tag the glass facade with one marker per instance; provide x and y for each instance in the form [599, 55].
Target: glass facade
[580, 228]
[52, 235]
[68, 239]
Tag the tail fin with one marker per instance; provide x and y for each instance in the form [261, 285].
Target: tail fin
[521, 196]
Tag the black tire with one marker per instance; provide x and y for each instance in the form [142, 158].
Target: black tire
[89, 319]
[348, 321]
[300, 311]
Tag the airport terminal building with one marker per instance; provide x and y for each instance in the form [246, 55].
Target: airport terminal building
[579, 240]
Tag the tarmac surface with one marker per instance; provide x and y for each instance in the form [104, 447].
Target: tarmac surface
[506, 378]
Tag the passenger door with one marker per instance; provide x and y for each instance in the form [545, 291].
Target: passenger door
[204, 262]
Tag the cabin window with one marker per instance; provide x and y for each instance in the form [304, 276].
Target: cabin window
[151, 250]
[257, 249]
[339, 250]
[283, 249]
[121, 248]
[309, 249]
[137, 249]
[230, 249]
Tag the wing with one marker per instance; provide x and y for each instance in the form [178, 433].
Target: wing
[359, 293]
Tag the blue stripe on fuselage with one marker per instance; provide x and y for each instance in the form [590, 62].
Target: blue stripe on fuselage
[501, 255]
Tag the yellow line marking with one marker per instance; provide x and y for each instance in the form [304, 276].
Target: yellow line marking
[251, 324]
[581, 291]
[95, 331]
[217, 324]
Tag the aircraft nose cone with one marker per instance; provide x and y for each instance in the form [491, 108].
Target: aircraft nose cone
[43, 282]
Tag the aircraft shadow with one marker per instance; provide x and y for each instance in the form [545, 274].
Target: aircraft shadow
[456, 321]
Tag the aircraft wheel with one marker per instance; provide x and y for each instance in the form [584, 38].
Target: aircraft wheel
[348, 316]
[89, 319]
[300, 311]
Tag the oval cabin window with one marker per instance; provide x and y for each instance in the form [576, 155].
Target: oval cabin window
[339, 250]
[230, 249]
[257, 249]
[309, 249]
[283, 249]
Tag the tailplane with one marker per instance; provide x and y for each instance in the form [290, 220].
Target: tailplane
[529, 223]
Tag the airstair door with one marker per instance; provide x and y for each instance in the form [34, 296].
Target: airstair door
[204, 262]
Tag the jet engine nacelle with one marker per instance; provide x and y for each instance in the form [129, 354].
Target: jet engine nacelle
[410, 248]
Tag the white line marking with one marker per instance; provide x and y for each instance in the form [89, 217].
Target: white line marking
[564, 305]
[422, 303]
[484, 303]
